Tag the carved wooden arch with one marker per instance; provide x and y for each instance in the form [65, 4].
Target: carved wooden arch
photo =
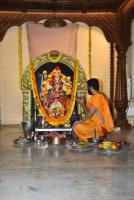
[105, 21]
[125, 16]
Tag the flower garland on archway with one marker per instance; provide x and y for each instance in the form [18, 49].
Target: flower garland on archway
[20, 54]
[52, 120]
[89, 53]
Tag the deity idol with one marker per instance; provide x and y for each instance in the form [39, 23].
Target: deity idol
[45, 83]
[56, 108]
[56, 91]
[56, 81]
[67, 85]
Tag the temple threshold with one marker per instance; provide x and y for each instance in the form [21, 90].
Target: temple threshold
[58, 129]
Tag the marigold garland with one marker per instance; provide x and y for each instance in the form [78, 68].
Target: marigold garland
[89, 53]
[20, 54]
[52, 120]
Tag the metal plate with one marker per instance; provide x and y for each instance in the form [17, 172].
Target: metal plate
[82, 146]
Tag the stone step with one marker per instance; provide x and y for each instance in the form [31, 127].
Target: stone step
[131, 120]
[130, 112]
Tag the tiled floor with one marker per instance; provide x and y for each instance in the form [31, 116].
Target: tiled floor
[35, 173]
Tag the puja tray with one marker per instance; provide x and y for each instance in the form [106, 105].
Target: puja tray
[112, 152]
[82, 146]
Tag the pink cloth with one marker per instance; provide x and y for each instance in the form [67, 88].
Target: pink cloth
[42, 40]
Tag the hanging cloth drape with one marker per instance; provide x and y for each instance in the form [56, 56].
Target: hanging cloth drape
[43, 40]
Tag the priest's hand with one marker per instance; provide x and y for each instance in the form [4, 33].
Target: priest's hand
[81, 100]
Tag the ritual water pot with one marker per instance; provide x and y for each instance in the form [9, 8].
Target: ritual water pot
[56, 140]
[28, 127]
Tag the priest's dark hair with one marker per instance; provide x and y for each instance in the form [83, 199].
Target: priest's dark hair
[93, 82]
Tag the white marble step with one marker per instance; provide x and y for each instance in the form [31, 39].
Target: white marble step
[130, 120]
[130, 112]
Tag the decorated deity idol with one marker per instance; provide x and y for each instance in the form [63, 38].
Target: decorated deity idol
[56, 108]
[56, 81]
[67, 85]
[56, 92]
[45, 83]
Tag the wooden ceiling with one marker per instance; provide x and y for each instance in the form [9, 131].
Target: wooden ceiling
[61, 5]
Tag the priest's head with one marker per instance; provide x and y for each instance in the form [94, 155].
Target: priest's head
[93, 85]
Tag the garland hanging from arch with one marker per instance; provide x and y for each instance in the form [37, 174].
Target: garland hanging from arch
[89, 53]
[52, 120]
[20, 54]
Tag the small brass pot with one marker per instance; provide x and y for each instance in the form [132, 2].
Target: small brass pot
[57, 140]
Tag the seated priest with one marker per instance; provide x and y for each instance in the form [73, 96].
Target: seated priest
[99, 120]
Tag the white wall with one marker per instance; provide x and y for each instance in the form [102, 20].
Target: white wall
[82, 46]
[130, 79]
[11, 97]
[100, 54]
[101, 59]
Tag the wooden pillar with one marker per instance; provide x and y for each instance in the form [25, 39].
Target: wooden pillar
[121, 99]
[123, 41]
[112, 74]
